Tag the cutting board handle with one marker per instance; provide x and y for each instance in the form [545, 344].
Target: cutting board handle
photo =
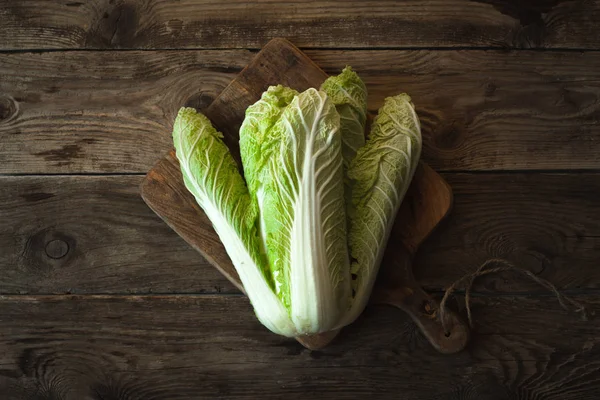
[422, 308]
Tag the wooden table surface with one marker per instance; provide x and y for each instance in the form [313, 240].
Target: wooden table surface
[100, 300]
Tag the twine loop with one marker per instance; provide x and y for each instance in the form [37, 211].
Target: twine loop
[566, 302]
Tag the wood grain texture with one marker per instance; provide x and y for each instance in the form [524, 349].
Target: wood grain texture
[278, 62]
[190, 347]
[109, 114]
[112, 112]
[152, 24]
[84, 112]
[547, 223]
[92, 235]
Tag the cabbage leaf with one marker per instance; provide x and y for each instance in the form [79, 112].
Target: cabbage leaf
[295, 169]
[349, 94]
[380, 174]
[211, 175]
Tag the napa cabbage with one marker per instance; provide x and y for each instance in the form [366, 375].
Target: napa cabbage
[307, 223]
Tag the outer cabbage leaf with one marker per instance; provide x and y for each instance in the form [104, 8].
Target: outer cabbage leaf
[303, 222]
[381, 173]
[211, 175]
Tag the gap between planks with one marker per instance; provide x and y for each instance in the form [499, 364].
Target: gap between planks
[256, 50]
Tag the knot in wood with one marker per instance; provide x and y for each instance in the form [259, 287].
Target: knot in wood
[200, 101]
[57, 248]
[451, 136]
[8, 108]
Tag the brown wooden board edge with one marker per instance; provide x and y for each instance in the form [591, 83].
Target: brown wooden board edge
[314, 341]
[450, 192]
[146, 182]
[264, 49]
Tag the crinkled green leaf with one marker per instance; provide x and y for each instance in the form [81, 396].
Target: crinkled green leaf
[255, 148]
[211, 175]
[381, 173]
[349, 94]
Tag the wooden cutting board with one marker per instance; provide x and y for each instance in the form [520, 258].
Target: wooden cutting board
[427, 202]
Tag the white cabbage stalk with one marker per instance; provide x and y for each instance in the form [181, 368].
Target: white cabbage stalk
[317, 203]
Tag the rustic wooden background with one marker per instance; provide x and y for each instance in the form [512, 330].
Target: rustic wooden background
[100, 300]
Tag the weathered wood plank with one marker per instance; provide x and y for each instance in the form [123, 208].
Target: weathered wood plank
[151, 24]
[92, 235]
[189, 347]
[547, 223]
[481, 110]
[490, 110]
[103, 112]
[113, 242]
